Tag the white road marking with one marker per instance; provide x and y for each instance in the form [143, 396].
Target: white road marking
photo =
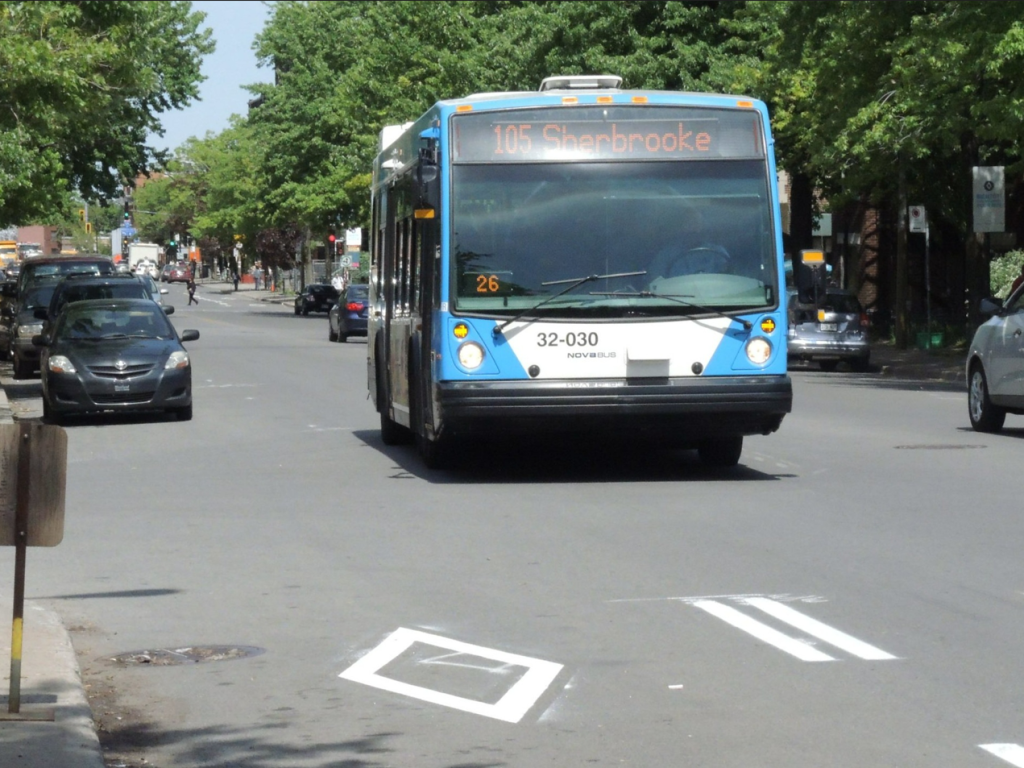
[784, 598]
[821, 631]
[763, 632]
[516, 702]
[1011, 753]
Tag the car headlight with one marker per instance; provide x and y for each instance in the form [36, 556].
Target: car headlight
[60, 364]
[30, 329]
[177, 360]
[759, 349]
[471, 355]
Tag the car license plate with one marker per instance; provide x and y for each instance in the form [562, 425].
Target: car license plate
[122, 388]
[828, 326]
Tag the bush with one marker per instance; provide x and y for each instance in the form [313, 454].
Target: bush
[1003, 271]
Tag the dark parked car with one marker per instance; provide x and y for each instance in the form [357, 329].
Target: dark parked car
[317, 297]
[995, 365]
[19, 323]
[56, 267]
[115, 355]
[84, 287]
[835, 331]
[348, 315]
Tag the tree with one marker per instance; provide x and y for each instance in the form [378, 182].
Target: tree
[84, 82]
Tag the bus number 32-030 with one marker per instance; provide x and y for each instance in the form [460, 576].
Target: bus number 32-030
[580, 339]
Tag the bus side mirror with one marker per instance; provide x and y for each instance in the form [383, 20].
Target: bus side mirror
[428, 185]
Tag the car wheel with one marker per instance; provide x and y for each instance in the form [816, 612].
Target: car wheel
[331, 335]
[721, 452]
[828, 365]
[860, 364]
[985, 417]
[342, 337]
[305, 311]
[184, 414]
[296, 311]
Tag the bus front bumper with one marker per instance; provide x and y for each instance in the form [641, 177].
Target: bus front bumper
[683, 410]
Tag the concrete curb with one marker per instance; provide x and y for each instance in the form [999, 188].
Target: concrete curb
[50, 678]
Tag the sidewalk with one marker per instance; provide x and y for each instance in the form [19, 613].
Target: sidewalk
[925, 365]
[50, 680]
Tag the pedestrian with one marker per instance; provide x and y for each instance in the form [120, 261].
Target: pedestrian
[1019, 279]
[234, 276]
[192, 291]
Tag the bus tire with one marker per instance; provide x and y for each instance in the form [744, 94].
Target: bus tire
[721, 451]
[436, 454]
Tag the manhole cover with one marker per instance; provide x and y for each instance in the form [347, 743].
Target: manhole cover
[193, 654]
[937, 447]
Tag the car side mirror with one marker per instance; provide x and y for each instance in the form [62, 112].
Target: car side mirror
[42, 340]
[168, 310]
[40, 313]
[990, 307]
[189, 335]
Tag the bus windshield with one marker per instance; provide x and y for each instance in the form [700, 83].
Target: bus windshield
[701, 231]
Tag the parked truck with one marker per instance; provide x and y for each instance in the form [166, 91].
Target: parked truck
[143, 252]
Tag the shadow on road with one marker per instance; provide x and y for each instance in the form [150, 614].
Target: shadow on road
[547, 460]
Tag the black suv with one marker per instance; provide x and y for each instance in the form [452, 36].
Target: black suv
[83, 287]
[317, 297]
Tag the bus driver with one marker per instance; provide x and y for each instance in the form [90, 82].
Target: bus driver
[688, 251]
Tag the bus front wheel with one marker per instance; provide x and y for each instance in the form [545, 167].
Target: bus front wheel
[721, 452]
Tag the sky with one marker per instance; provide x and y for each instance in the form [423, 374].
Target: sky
[235, 24]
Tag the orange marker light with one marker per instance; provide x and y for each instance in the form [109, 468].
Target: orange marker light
[748, 104]
[639, 99]
[570, 100]
[461, 331]
[767, 325]
[464, 108]
[604, 99]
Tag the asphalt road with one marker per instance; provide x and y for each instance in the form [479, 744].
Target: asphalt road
[850, 596]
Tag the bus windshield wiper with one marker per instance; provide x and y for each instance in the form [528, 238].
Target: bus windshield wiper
[575, 282]
[679, 299]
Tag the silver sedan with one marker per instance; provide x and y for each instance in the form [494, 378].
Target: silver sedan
[995, 364]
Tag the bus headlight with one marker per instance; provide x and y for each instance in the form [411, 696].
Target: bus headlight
[759, 349]
[471, 355]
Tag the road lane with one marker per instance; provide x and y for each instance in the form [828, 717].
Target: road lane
[276, 518]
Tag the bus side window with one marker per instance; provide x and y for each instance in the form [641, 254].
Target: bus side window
[415, 258]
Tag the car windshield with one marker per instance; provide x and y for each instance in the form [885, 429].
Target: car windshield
[95, 323]
[357, 293]
[838, 302]
[701, 232]
[38, 296]
[125, 290]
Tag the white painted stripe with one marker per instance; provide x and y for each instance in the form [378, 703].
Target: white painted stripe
[821, 631]
[1011, 753]
[511, 707]
[763, 632]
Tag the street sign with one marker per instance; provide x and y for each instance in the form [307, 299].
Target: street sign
[918, 218]
[989, 199]
[129, 231]
[43, 448]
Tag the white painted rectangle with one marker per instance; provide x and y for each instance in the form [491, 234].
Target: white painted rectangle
[516, 702]
[1011, 753]
[762, 632]
[819, 630]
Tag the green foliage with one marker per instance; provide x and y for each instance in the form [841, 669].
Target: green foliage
[1004, 270]
[83, 84]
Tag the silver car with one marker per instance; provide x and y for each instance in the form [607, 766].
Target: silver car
[995, 364]
[834, 331]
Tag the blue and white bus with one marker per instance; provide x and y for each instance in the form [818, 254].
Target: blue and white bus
[580, 259]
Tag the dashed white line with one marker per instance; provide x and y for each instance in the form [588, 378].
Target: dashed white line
[819, 630]
[1011, 753]
[762, 632]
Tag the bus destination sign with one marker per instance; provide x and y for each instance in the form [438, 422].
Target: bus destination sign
[495, 138]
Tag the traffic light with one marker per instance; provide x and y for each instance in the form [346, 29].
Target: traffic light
[81, 214]
[332, 240]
